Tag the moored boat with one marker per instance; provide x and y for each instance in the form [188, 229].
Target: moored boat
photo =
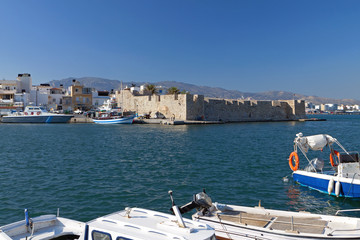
[129, 224]
[339, 177]
[239, 222]
[35, 114]
[113, 118]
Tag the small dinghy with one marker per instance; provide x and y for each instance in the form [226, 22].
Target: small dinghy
[339, 177]
[238, 222]
[129, 224]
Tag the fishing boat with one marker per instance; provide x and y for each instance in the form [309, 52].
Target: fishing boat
[233, 222]
[35, 114]
[113, 118]
[339, 177]
[128, 224]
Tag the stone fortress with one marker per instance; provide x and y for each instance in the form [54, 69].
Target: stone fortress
[188, 107]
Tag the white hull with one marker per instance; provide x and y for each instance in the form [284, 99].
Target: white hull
[132, 223]
[55, 118]
[124, 120]
[259, 223]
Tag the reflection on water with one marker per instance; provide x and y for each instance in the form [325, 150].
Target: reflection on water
[304, 199]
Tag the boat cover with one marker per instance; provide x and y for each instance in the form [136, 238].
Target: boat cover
[315, 142]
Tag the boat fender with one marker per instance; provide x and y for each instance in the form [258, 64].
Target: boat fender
[292, 155]
[337, 188]
[331, 186]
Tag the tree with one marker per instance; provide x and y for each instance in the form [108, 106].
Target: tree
[151, 88]
[173, 90]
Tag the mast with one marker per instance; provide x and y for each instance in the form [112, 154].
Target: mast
[122, 99]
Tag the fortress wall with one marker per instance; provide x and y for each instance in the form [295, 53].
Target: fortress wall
[168, 105]
[197, 107]
[241, 110]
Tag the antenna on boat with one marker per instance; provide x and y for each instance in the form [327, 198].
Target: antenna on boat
[176, 211]
[171, 197]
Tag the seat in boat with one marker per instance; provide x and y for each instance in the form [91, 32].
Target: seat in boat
[312, 225]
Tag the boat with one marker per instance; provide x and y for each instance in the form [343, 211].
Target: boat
[241, 222]
[113, 118]
[128, 224]
[339, 177]
[36, 114]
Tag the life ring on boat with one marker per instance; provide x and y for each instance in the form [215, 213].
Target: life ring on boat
[38, 113]
[332, 158]
[26, 113]
[292, 155]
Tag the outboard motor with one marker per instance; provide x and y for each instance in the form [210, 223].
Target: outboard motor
[201, 201]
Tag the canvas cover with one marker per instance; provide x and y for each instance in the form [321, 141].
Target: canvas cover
[315, 142]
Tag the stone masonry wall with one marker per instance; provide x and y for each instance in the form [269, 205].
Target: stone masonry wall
[168, 105]
[197, 107]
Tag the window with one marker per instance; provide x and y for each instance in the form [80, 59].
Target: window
[96, 235]
[123, 238]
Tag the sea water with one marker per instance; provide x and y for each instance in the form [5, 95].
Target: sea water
[89, 170]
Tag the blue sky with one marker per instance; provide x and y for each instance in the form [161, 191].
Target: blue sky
[309, 47]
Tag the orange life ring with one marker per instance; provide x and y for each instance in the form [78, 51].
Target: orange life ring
[38, 113]
[332, 158]
[292, 155]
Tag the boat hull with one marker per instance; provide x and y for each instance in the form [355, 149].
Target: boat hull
[239, 222]
[225, 231]
[125, 120]
[348, 187]
[37, 119]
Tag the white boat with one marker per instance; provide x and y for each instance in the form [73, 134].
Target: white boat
[129, 224]
[238, 222]
[113, 118]
[35, 114]
[339, 177]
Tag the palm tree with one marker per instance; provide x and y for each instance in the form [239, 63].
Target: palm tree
[151, 88]
[173, 90]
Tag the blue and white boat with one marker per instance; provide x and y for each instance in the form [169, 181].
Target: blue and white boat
[36, 114]
[113, 118]
[341, 177]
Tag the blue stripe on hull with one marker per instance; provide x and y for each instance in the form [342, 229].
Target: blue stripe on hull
[346, 189]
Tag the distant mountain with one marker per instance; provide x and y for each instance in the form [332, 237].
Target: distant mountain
[106, 84]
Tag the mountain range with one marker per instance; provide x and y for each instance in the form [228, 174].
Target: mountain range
[215, 92]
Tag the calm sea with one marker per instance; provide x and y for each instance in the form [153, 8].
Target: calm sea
[90, 170]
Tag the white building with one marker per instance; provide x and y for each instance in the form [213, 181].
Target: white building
[24, 82]
[99, 98]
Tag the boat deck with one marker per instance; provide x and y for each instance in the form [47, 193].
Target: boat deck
[312, 225]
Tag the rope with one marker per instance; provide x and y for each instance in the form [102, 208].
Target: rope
[350, 185]
[223, 226]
